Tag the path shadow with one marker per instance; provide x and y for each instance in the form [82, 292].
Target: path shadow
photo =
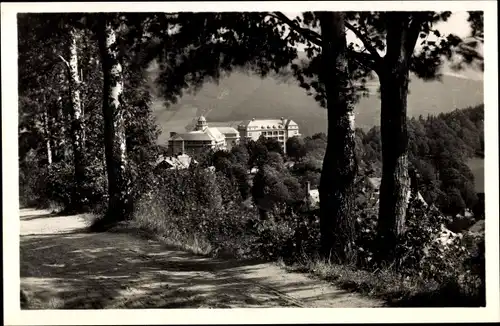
[91, 271]
[40, 216]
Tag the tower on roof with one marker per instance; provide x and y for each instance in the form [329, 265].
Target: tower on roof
[201, 124]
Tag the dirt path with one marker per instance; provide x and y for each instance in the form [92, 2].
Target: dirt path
[63, 266]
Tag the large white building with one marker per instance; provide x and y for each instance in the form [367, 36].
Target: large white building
[200, 139]
[203, 137]
[279, 129]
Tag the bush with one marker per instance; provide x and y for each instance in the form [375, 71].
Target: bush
[60, 184]
[54, 187]
[32, 181]
[203, 211]
[456, 262]
[208, 206]
[32, 188]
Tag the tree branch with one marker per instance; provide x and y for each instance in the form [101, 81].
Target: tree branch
[63, 60]
[308, 34]
[413, 33]
[369, 61]
[366, 42]
[364, 59]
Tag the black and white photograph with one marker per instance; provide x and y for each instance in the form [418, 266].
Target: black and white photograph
[230, 155]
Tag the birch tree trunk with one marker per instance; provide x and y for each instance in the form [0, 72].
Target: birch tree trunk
[76, 118]
[47, 135]
[83, 111]
[114, 125]
[395, 183]
[336, 189]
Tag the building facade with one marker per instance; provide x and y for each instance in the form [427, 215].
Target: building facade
[279, 129]
[231, 135]
[202, 138]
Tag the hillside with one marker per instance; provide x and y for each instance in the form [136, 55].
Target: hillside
[241, 96]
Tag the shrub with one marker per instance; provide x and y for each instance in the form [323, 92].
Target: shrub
[54, 186]
[454, 262]
[60, 184]
[202, 210]
[32, 188]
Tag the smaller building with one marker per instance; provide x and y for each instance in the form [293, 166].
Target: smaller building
[231, 135]
[174, 162]
[312, 197]
[202, 138]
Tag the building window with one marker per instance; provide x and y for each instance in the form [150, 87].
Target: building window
[282, 132]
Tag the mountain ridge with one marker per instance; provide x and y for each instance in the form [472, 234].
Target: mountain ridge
[242, 96]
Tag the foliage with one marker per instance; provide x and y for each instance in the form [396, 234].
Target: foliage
[295, 148]
[275, 189]
[423, 251]
[212, 205]
[439, 149]
[44, 91]
[207, 207]
[32, 175]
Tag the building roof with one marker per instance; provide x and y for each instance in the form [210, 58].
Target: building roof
[215, 133]
[228, 130]
[268, 123]
[233, 124]
[291, 123]
[192, 136]
[199, 135]
[176, 162]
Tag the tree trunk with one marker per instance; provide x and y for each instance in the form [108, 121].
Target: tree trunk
[114, 126]
[339, 166]
[61, 146]
[76, 119]
[61, 122]
[83, 111]
[47, 135]
[394, 78]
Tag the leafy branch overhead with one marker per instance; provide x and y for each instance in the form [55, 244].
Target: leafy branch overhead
[192, 47]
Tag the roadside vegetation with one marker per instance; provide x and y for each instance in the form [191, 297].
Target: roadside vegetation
[88, 143]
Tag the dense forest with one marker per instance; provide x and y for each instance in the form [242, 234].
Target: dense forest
[87, 136]
[440, 147]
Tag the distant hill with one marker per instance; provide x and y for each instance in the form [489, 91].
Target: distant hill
[242, 96]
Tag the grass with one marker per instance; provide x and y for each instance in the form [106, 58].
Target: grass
[382, 284]
[29, 302]
[156, 229]
[385, 284]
